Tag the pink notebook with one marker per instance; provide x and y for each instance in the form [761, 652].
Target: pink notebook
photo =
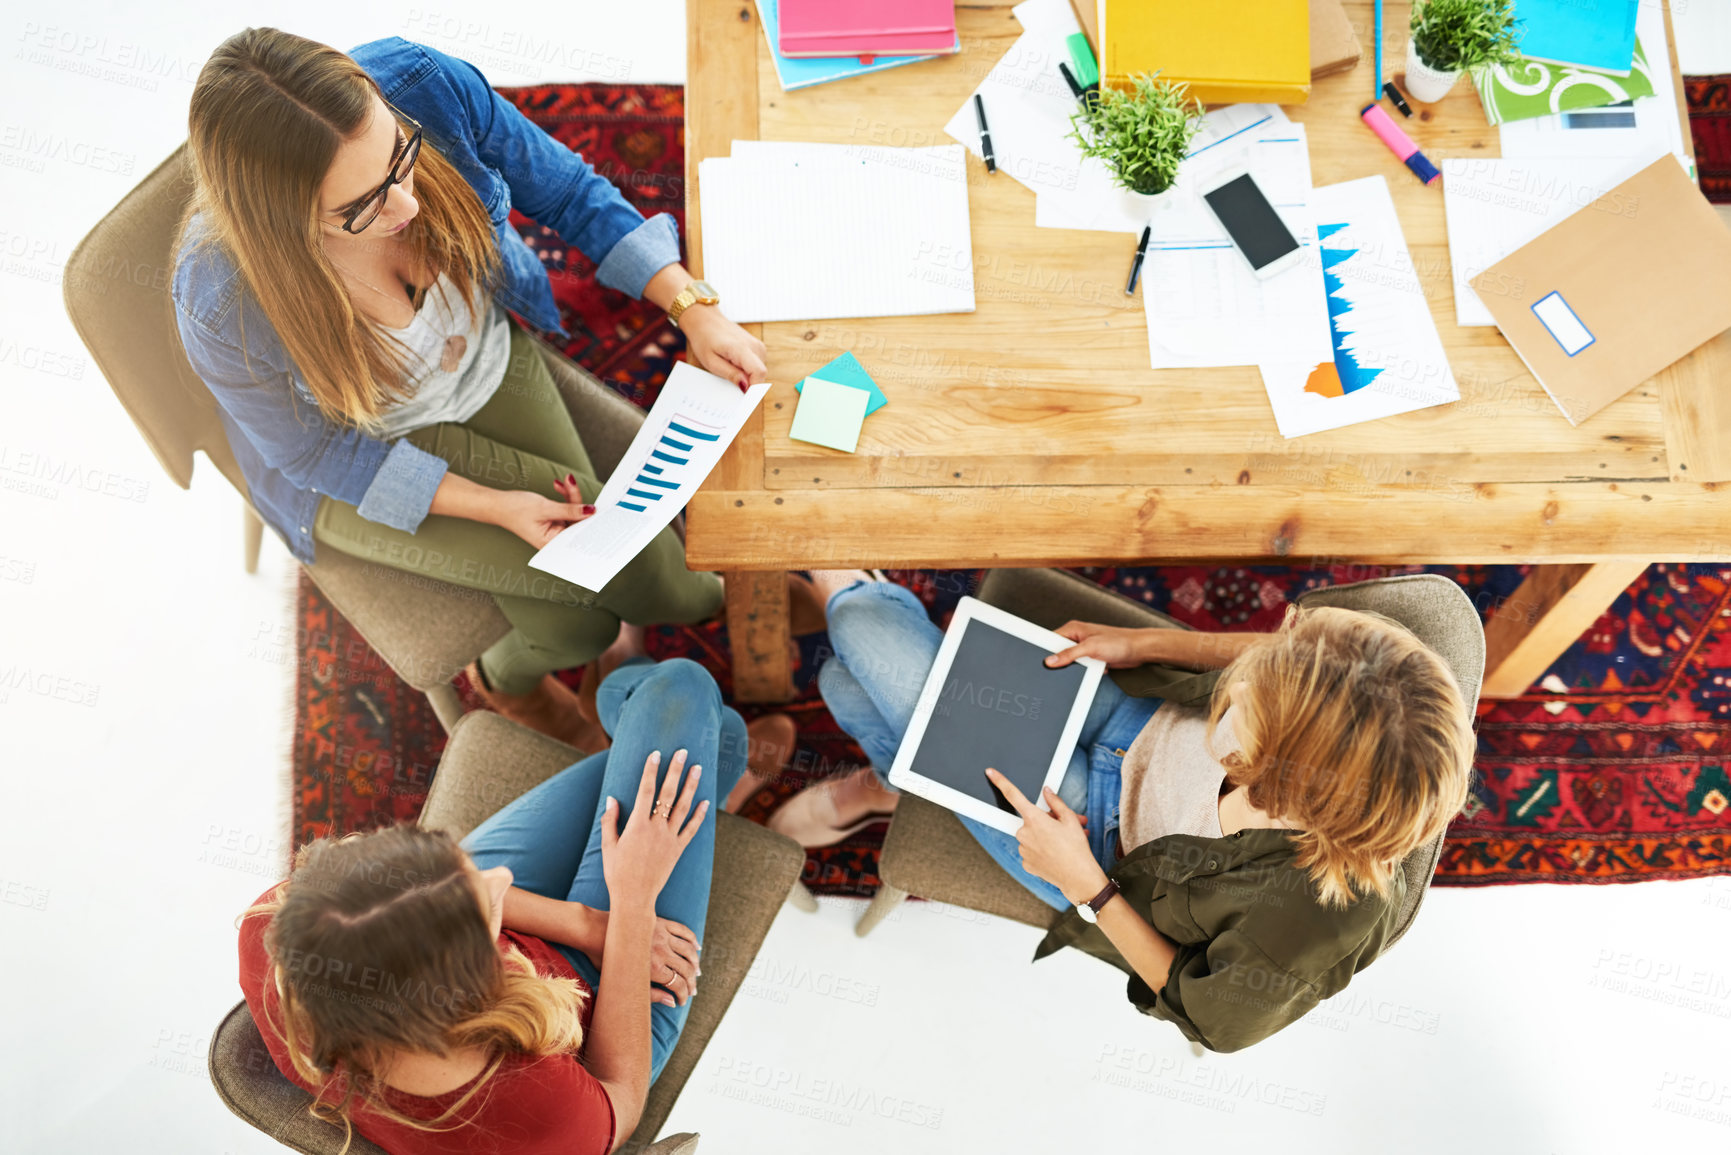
[867, 27]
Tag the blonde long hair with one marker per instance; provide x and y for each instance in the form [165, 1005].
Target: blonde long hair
[378, 943]
[1356, 733]
[269, 111]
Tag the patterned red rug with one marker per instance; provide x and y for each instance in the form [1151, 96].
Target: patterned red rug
[1613, 769]
[1709, 99]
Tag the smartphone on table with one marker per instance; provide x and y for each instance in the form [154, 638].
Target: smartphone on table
[1250, 220]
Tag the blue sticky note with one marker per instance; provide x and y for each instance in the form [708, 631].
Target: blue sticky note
[846, 370]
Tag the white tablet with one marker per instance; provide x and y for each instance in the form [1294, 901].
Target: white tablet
[991, 700]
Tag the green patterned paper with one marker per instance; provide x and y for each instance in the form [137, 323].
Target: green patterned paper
[1530, 88]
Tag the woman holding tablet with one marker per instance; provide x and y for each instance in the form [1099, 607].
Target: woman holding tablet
[341, 286]
[522, 991]
[1241, 862]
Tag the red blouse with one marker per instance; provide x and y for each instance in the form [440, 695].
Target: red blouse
[550, 1104]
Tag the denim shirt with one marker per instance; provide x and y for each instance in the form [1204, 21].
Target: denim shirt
[290, 453]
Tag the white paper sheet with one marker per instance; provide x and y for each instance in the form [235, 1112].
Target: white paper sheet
[828, 231]
[1385, 355]
[1028, 110]
[1205, 307]
[1496, 206]
[1028, 105]
[1589, 133]
[1097, 202]
[692, 423]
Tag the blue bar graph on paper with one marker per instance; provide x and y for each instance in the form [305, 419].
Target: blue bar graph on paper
[687, 431]
[653, 481]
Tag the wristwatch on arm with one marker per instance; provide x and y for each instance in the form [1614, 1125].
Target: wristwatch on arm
[1090, 910]
[696, 293]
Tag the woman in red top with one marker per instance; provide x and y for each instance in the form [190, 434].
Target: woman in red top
[518, 993]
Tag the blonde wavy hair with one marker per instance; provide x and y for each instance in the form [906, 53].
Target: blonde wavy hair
[1356, 733]
[378, 943]
[269, 111]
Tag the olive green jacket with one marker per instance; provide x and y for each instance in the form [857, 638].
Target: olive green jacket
[1256, 950]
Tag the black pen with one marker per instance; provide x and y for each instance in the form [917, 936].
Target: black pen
[1070, 79]
[1136, 265]
[985, 134]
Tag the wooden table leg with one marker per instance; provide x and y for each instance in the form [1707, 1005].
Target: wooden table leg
[1553, 607]
[758, 634]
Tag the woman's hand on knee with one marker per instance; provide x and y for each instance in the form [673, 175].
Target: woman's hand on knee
[638, 859]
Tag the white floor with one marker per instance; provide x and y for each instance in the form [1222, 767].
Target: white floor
[143, 685]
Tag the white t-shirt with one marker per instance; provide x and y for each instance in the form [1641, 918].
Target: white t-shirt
[1171, 779]
[454, 394]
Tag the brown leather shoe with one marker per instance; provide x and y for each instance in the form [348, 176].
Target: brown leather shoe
[770, 742]
[550, 708]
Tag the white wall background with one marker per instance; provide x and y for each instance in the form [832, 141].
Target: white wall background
[144, 803]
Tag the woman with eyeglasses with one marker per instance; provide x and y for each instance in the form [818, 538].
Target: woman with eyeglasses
[342, 284]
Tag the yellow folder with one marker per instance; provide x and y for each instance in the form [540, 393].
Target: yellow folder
[1227, 51]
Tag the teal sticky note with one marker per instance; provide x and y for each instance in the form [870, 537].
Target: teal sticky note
[829, 414]
[846, 370]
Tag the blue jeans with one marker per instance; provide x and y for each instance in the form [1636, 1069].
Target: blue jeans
[884, 648]
[551, 836]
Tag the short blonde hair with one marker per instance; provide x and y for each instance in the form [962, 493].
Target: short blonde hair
[1357, 734]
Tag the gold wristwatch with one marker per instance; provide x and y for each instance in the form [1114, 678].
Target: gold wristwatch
[696, 293]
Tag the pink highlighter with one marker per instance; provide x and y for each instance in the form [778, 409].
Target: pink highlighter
[1399, 143]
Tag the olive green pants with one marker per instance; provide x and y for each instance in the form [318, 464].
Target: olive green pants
[523, 438]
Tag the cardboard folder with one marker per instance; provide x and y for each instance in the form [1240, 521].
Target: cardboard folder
[1333, 43]
[1616, 291]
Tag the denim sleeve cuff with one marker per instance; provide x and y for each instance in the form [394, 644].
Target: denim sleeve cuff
[402, 491]
[640, 254]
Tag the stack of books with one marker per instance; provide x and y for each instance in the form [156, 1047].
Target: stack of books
[814, 41]
[867, 28]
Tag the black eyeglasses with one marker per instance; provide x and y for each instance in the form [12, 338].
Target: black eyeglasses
[368, 210]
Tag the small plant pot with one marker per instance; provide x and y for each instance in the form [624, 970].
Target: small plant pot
[1425, 84]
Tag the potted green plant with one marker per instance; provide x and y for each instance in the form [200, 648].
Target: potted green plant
[1450, 37]
[1141, 133]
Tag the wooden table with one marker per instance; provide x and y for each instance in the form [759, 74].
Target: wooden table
[1033, 432]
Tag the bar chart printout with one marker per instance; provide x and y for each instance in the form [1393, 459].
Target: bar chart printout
[690, 426]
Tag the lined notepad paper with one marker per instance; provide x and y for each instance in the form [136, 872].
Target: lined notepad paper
[805, 232]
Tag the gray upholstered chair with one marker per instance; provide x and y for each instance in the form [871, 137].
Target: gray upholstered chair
[489, 761]
[116, 288]
[929, 853]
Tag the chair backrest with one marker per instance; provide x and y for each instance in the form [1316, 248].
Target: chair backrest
[246, 1077]
[116, 288]
[1442, 616]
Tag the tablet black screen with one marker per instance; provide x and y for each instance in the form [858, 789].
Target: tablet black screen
[1000, 706]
